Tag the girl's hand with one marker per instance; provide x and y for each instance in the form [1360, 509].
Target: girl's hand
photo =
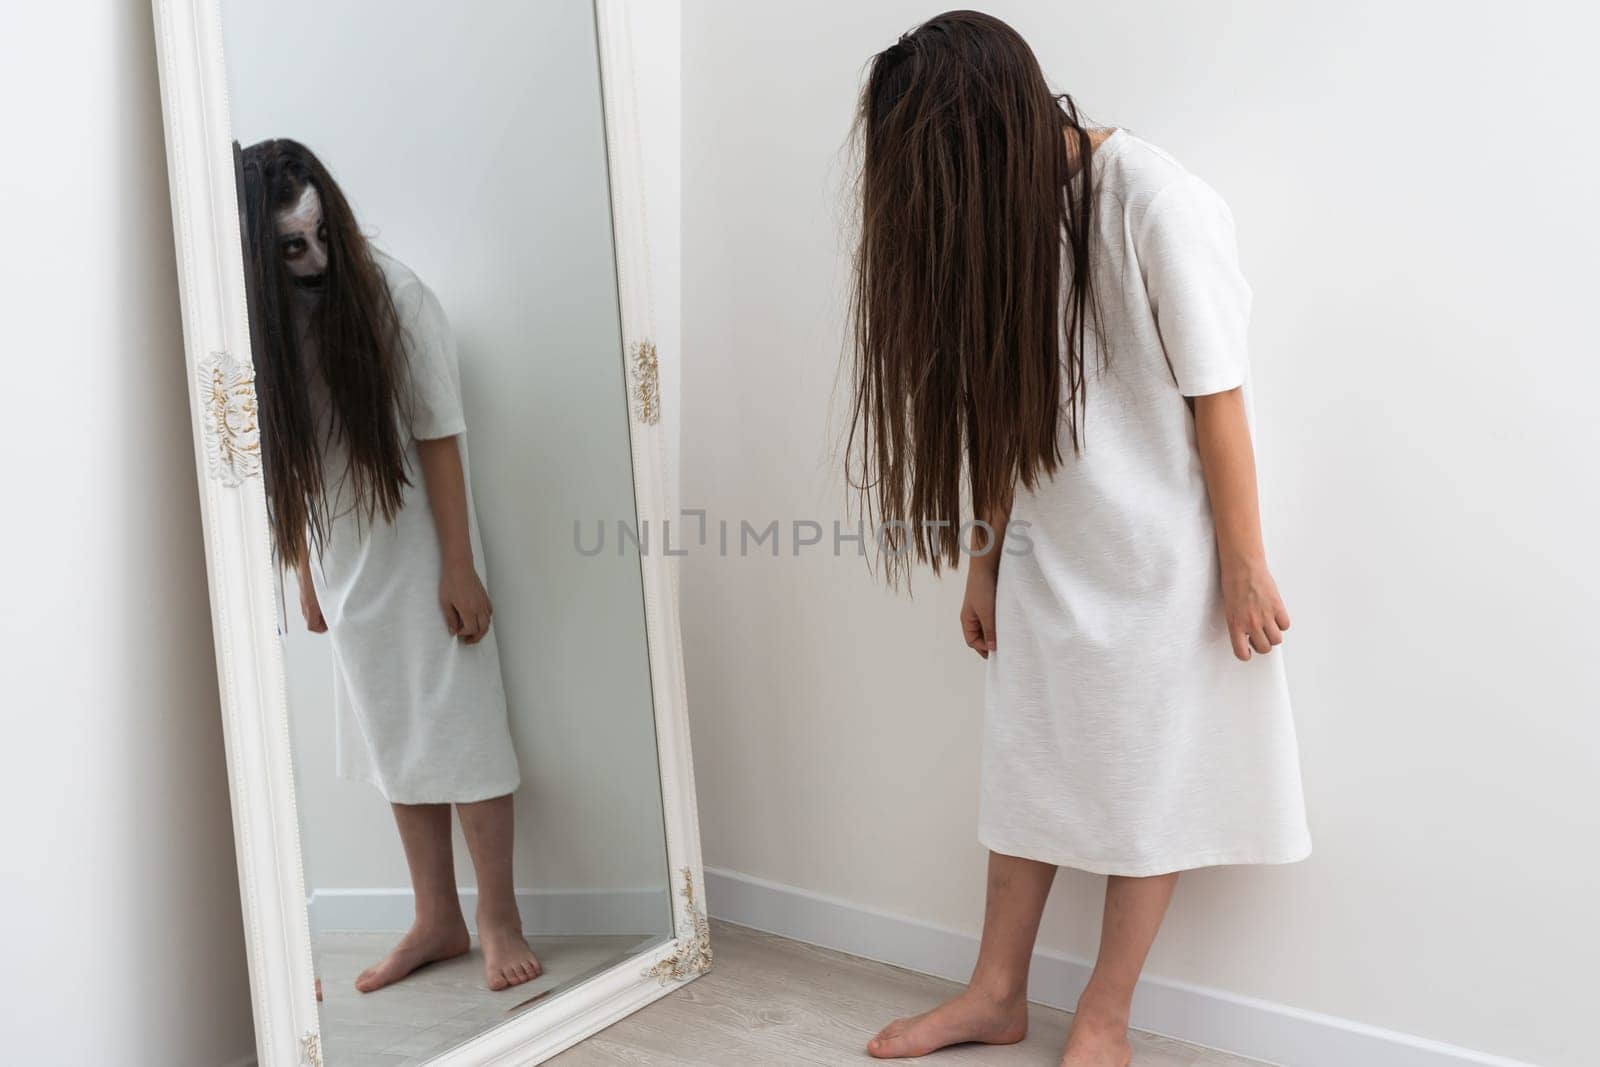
[977, 607]
[1255, 611]
[310, 609]
[465, 602]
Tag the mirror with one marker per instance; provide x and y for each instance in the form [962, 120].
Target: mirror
[430, 209]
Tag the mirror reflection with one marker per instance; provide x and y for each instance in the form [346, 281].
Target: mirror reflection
[435, 329]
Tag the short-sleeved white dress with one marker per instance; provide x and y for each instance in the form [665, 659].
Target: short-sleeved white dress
[1121, 735]
[420, 714]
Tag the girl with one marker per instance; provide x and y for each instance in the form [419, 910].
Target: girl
[366, 469]
[1056, 313]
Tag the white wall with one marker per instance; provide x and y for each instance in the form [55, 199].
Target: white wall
[123, 942]
[470, 141]
[1413, 189]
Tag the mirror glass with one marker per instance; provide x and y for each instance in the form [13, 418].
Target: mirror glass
[435, 328]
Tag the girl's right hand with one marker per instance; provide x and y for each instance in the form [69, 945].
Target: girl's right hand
[310, 608]
[977, 607]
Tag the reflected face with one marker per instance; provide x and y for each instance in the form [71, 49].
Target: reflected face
[303, 240]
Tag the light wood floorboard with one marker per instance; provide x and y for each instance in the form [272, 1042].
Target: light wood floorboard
[772, 1002]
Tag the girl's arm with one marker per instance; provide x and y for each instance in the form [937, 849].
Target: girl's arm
[983, 571]
[998, 518]
[1255, 612]
[461, 593]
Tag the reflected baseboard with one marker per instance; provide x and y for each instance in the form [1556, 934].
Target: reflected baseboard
[645, 912]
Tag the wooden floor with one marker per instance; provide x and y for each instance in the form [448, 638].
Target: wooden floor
[771, 1002]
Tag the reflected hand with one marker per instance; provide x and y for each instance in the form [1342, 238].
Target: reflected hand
[310, 609]
[465, 602]
[1255, 611]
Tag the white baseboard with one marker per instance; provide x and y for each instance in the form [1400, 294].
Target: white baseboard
[1243, 1026]
[544, 911]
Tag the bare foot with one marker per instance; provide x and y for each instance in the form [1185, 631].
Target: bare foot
[424, 943]
[507, 959]
[969, 1016]
[1097, 1041]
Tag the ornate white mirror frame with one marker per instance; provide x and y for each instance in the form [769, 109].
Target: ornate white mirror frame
[241, 567]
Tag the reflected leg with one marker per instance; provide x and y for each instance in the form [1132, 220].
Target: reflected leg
[507, 959]
[993, 1009]
[438, 931]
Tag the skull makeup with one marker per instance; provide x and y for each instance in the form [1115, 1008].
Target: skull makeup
[303, 240]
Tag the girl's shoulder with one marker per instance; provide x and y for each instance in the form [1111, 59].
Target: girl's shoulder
[1139, 172]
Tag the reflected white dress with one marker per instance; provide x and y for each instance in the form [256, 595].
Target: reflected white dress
[1121, 736]
[420, 714]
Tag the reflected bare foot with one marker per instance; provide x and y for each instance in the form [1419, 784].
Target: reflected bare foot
[424, 943]
[968, 1017]
[507, 959]
[1097, 1040]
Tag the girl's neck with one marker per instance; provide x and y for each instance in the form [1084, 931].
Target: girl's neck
[1097, 137]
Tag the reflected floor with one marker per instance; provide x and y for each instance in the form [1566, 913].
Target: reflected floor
[442, 1004]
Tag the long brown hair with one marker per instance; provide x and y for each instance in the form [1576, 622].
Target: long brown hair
[361, 355]
[966, 198]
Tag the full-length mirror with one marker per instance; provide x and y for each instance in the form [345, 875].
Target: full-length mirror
[427, 235]
[442, 385]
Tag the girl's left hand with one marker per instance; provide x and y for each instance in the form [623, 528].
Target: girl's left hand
[1255, 611]
[465, 602]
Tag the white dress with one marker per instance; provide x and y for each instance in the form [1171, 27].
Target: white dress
[419, 714]
[1121, 736]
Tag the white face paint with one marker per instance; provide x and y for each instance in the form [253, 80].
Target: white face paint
[303, 236]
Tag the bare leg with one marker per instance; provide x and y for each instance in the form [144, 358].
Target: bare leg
[439, 932]
[993, 1009]
[507, 959]
[1134, 910]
